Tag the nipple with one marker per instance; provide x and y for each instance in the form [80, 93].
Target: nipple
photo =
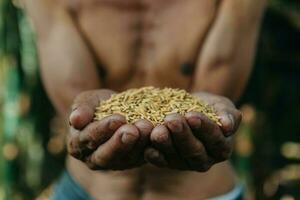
[187, 69]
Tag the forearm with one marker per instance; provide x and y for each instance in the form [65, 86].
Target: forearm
[225, 62]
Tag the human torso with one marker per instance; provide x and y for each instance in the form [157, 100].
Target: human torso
[142, 42]
[151, 183]
[138, 43]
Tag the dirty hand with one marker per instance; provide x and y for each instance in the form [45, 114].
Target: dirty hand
[108, 144]
[194, 142]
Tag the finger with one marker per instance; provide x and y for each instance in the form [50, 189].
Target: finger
[154, 157]
[230, 118]
[109, 155]
[73, 146]
[98, 132]
[136, 154]
[145, 127]
[190, 148]
[161, 140]
[81, 116]
[216, 144]
[84, 105]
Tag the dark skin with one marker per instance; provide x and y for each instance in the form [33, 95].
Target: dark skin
[190, 142]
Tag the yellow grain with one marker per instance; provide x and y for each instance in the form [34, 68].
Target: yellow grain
[153, 104]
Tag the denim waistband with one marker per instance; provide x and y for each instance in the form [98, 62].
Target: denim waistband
[68, 189]
[235, 194]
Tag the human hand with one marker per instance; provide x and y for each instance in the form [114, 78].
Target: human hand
[194, 142]
[110, 143]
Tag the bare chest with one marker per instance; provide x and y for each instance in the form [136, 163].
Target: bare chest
[143, 42]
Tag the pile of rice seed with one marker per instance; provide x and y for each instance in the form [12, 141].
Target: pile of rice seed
[152, 104]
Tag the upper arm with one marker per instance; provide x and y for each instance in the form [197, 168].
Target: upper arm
[226, 58]
[66, 65]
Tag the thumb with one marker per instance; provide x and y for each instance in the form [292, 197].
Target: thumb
[84, 105]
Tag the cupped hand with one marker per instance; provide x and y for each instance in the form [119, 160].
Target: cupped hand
[107, 144]
[194, 142]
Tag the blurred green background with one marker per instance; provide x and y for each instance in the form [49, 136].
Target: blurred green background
[267, 155]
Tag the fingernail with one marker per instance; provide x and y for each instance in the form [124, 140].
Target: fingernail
[75, 120]
[176, 126]
[195, 122]
[128, 138]
[112, 124]
[161, 138]
[228, 124]
[73, 114]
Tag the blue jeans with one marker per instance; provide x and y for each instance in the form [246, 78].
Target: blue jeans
[235, 194]
[68, 189]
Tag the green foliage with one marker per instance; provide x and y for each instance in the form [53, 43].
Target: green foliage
[25, 112]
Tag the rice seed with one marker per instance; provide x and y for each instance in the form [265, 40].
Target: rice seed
[153, 104]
